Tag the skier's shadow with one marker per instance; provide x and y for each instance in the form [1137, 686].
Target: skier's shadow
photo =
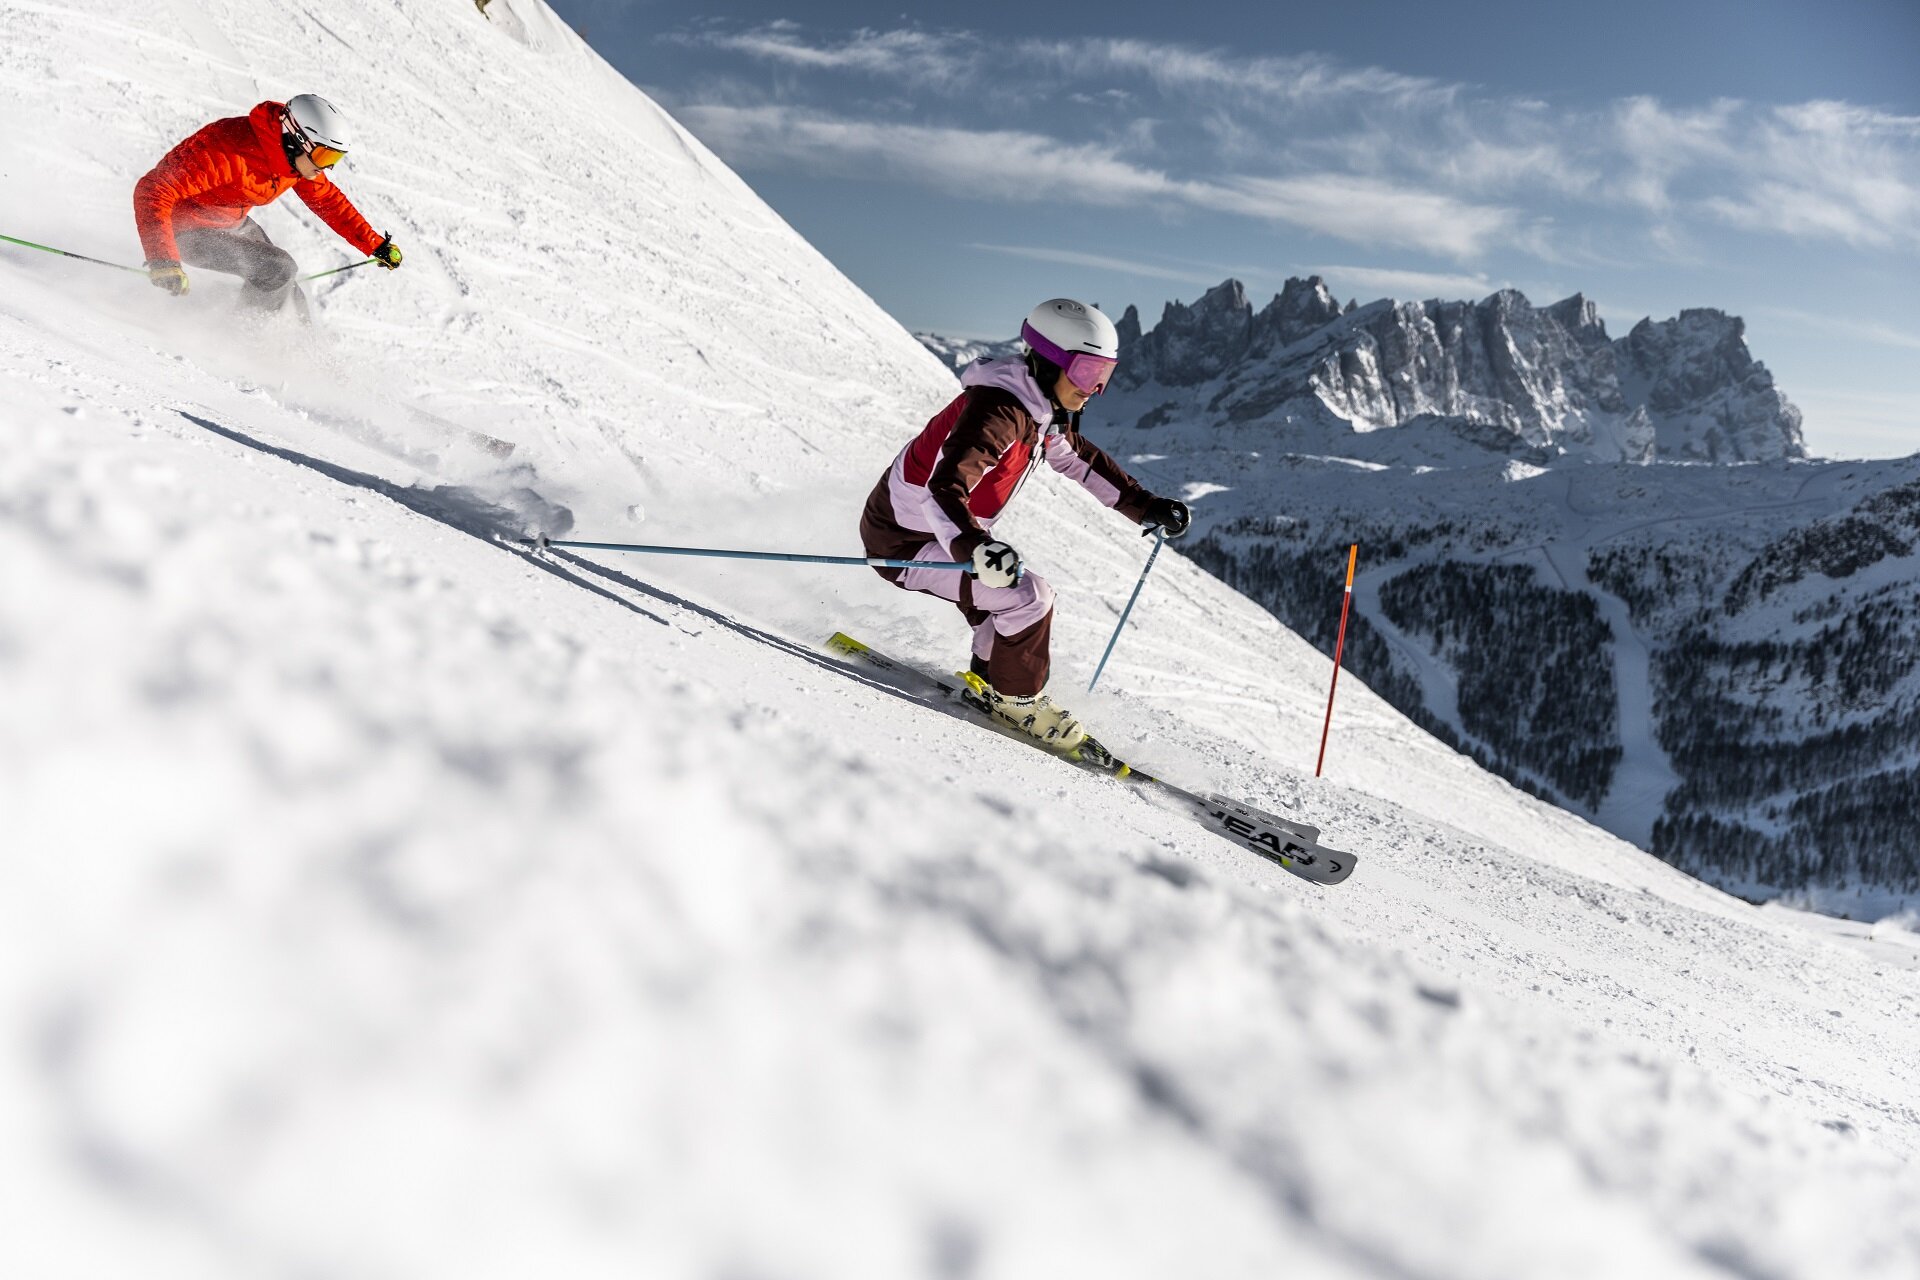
[468, 511]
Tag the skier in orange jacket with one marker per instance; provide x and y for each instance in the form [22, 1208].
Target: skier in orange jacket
[193, 206]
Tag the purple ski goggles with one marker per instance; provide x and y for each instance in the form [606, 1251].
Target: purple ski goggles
[1083, 369]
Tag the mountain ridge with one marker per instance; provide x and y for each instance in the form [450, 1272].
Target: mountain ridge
[1547, 382]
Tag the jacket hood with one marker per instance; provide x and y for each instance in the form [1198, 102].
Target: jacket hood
[265, 119]
[1010, 374]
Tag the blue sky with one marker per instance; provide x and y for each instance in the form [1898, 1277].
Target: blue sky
[1760, 157]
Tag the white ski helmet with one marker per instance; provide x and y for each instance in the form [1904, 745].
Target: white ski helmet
[1075, 337]
[318, 122]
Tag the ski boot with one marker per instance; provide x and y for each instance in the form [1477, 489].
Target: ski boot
[1036, 715]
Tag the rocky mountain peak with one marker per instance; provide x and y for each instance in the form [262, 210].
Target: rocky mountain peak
[1579, 316]
[1227, 297]
[1546, 379]
[1300, 308]
[1500, 373]
[1192, 343]
[1709, 399]
[1508, 302]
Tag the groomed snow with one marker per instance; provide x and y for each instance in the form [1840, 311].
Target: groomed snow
[377, 901]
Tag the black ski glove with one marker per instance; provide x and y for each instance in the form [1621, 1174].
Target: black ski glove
[388, 254]
[1170, 514]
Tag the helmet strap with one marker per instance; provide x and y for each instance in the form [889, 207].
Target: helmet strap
[293, 140]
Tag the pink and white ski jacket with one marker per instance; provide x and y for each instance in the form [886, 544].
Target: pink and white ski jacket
[955, 478]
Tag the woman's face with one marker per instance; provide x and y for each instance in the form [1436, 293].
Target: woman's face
[1071, 398]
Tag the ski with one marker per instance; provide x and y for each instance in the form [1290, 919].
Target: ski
[1292, 845]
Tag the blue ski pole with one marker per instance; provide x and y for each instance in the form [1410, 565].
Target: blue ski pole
[1159, 540]
[542, 542]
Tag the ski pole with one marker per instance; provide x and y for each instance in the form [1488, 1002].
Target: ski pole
[1159, 540]
[1353, 554]
[542, 542]
[98, 262]
[351, 266]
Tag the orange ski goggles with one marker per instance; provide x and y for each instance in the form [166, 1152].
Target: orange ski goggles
[326, 157]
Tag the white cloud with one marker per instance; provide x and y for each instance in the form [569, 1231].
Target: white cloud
[1305, 78]
[1363, 153]
[990, 164]
[950, 60]
[1830, 170]
[1878, 334]
[1656, 144]
[1365, 211]
[1012, 165]
[1099, 262]
[1394, 283]
[940, 60]
[1526, 159]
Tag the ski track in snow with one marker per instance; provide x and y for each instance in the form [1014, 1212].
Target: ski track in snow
[376, 899]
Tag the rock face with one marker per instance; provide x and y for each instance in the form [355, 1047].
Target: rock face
[1303, 307]
[1542, 379]
[1192, 344]
[1498, 363]
[1708, 398]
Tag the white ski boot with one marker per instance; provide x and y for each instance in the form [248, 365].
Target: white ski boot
[1052, 726]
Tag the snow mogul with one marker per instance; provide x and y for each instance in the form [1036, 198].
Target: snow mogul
[193, 206]
[943, 492]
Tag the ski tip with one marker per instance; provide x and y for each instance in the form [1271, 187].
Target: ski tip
[1330, 866]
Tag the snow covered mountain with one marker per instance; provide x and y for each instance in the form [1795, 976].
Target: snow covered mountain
[1497, 371]
[957, 353]
[1628, 639]
[1708, 398]
[1500, 373]
[379, 900]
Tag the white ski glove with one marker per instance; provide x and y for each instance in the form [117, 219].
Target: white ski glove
[996, 564]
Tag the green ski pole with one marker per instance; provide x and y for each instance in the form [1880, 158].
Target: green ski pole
[351, 266]
[98, 262]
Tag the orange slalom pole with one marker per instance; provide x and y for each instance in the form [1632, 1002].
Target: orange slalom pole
[1339, 646]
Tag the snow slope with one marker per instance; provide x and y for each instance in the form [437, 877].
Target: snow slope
[378, 901]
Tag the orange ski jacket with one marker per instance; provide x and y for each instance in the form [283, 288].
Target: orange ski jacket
[224, 172]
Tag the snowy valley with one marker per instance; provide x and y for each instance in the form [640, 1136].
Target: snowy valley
[379, 899]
